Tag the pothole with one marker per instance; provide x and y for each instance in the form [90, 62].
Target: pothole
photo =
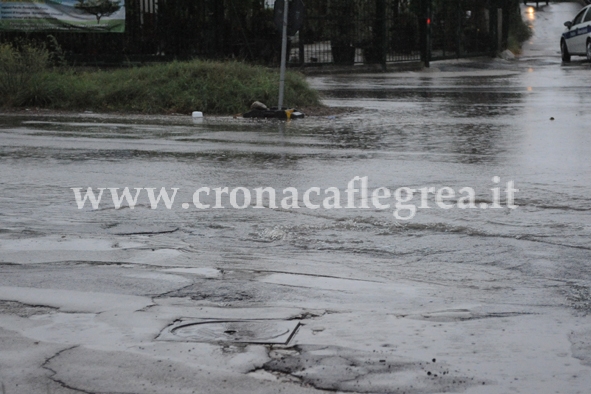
[272, 332]
[335, 368]
[24, 310]
[218, 291]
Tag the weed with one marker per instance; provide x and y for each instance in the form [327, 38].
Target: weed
[20, 66]
[181, 87]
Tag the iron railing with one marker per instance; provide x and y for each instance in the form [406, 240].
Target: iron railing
[335, 31]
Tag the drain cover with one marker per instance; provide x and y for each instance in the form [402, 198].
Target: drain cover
[238, 331]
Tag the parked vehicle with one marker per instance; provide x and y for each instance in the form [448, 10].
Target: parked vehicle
[576, 39]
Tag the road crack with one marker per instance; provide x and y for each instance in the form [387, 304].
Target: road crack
[45, 365]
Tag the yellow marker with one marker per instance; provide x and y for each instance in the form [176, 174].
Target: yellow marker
[288, 113]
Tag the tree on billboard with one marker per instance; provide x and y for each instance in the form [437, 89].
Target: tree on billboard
[99, 8]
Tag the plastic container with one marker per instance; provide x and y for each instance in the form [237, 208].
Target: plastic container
[197, 114]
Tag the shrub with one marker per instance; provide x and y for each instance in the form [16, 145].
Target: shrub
[21, 66]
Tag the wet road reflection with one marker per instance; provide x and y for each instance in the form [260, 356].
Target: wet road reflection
[456, 125]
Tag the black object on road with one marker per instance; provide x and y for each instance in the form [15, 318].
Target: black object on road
[274, 113]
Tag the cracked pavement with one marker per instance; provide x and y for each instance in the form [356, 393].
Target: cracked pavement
[471, 301]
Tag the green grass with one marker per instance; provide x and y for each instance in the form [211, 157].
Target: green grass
[177, 87]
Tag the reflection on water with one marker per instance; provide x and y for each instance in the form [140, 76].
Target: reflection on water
[449, 128]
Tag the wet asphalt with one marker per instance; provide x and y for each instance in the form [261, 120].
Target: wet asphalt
[500, 297]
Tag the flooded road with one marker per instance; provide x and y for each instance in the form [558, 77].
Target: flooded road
[451, 300]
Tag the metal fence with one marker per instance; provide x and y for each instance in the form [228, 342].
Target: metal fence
[334, 32]
[175, 29]
[463, 28]
[357, 31]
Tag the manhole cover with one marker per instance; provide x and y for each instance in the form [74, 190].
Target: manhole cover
[238, 331]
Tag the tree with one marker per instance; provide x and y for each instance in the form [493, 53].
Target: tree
[99, 8]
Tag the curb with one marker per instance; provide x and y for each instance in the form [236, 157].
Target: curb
[363, 68]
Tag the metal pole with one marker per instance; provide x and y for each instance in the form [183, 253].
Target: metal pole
[500, 22]
[429, 33]
[283, 55]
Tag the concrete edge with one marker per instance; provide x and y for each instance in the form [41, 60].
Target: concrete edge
[363, 68]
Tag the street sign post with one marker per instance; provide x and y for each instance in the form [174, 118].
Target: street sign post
[289, 18]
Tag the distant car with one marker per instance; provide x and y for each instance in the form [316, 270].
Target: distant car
[576, 39]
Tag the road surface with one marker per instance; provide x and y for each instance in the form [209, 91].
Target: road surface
[379, 295]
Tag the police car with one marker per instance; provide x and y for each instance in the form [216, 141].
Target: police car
[576, 39]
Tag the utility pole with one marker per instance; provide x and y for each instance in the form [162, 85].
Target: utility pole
[283, 55]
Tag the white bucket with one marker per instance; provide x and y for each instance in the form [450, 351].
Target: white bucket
[197, 114]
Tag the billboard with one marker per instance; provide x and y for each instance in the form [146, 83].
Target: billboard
[95, 16]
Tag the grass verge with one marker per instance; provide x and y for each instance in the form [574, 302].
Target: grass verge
[27, 79]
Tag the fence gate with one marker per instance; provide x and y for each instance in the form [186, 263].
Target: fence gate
[357, 31]
[461, 28]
